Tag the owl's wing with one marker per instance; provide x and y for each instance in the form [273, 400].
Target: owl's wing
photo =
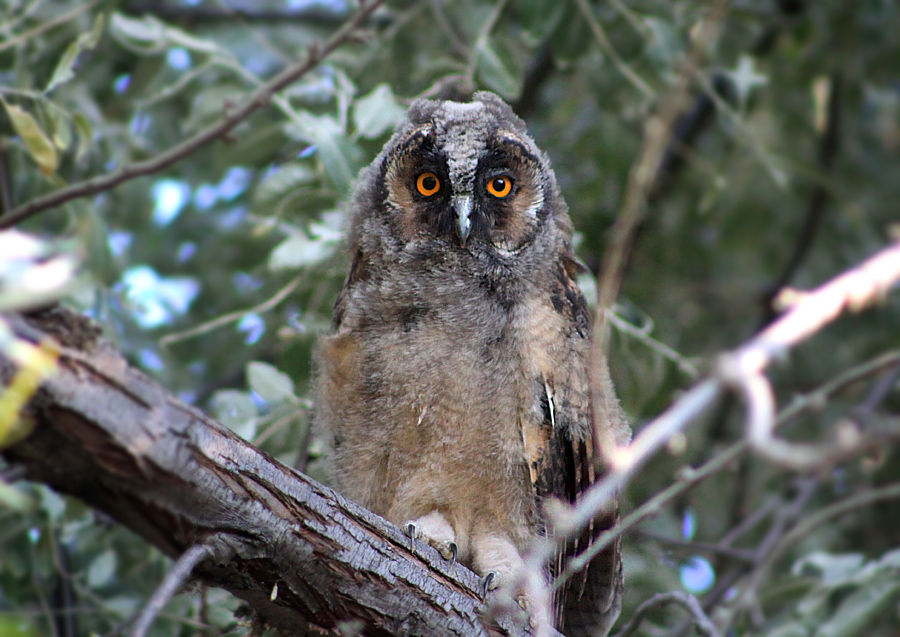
[589, 603]
[358, 271]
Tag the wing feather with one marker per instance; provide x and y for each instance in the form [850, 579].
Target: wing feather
[568, 464]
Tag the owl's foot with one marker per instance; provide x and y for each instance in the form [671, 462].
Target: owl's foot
[436, 531]
[499, 560]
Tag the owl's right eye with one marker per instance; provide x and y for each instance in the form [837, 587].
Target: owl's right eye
[427, 184]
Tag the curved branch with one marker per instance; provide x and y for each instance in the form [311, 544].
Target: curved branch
[229, 120]
[704, 625]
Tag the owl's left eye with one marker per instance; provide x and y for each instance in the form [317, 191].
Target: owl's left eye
[500, 187]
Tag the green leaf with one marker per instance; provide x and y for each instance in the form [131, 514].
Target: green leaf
[236, 410]
[298, 251]
[13, 498]
[665, 46]
[102, 569]
[272, 385]
[541, 17]
[146, 34]
[377, 112]
[862, 609]
[85, 135]
[340, 157]
[282, 183]
[85, 42]
[832, 568]
[52, 504]
[793, 629]
[494, 73]
[35, 139]
[14, 626]
[61, 131]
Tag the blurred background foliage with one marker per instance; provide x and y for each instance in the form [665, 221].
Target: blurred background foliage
[216, 274]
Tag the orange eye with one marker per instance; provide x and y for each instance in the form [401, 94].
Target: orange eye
[427, 184]
[500, 187]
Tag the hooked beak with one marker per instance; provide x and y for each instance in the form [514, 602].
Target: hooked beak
[462, 206]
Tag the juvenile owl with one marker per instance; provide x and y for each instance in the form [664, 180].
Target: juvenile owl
[455, 384]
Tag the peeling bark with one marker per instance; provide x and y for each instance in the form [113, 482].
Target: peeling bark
[299, 554]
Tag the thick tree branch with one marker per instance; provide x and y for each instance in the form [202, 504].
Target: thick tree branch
[230, 119]
[297, 552]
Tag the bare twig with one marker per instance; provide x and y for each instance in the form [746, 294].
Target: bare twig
[689, 478]
[176, 576]
[685, 600]
[784, 518]
[482, 39]
[854, 289]
[686, 366]
[657, 132]
[810, 523]
[610, 50]
[456, 43]
[742, 555]
[225, 319]
[229, 120]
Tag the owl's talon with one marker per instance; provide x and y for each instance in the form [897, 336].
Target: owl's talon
[453, 553]
[412, 530]
[491, 582]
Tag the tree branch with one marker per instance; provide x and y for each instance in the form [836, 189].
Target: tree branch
[297, 552]
[230, 119]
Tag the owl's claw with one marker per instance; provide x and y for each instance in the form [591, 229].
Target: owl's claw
[491, 582]
[436, 531]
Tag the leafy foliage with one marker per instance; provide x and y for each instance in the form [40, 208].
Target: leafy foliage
[216, 274]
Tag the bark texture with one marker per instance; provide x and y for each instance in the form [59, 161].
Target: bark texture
[301, 555]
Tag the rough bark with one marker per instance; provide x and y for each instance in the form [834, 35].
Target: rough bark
[299, 554]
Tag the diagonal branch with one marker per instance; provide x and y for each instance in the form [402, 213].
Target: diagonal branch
[853, 290]
[229, 120]
[300, 555]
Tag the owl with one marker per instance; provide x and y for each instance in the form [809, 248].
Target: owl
[455, 383]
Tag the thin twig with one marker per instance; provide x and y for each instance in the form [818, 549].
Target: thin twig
[225, 319]
[809, 524]
[684, 365]
[456, 43]
[610, 50]
[482, 39]
[784, 518]
[657, 132]
[176, 576]
[49, 24]
[260, 98]
[685, 600]
[691, 477]
[742, 555]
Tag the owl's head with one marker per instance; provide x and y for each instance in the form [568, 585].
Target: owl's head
[464, 176]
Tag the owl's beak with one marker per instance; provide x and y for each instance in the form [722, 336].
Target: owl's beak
[462, 206]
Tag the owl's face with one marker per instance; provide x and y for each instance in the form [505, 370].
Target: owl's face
[466, 175]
